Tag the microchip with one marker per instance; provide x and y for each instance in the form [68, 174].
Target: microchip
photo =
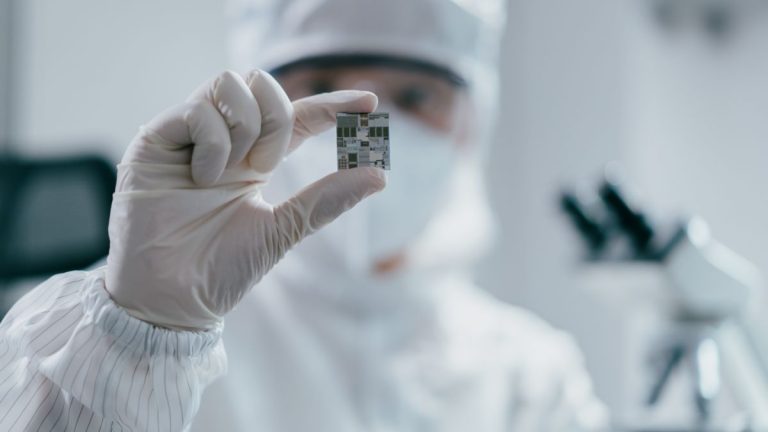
[362, 140]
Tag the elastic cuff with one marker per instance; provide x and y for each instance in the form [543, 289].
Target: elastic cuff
[99, 308]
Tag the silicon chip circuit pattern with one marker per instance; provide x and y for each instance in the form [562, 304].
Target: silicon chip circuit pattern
[362, 139]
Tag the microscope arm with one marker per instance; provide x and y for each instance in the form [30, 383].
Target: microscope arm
[709, 282]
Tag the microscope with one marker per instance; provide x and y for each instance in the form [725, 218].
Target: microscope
[710, 298]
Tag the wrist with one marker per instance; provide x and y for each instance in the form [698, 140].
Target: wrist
[159, 306]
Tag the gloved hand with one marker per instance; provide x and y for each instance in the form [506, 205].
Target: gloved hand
[189, 231]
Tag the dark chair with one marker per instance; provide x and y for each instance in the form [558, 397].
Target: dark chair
[53, 215]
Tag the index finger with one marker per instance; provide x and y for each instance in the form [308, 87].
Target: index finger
[277, 118]
[317, 113]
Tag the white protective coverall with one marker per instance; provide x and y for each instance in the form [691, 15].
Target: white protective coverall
[320, 344]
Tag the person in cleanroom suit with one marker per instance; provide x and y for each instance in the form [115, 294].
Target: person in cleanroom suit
[370, 324]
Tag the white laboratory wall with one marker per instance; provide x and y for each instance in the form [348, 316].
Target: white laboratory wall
[561, 121]
[6, 61]
[698, 124]
[90, 72]
[584, 83]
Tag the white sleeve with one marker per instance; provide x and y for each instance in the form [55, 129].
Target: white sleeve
[555, 392]
[70, 359]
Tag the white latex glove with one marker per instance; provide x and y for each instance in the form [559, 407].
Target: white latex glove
[189, 231]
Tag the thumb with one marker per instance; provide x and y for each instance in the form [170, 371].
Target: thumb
[323, 201]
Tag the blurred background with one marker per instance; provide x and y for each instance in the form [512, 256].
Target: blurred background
[674, 91]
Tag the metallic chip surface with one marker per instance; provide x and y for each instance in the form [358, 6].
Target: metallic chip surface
[362, 139]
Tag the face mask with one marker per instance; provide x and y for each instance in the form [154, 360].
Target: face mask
[382, 225]
[422, 163]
